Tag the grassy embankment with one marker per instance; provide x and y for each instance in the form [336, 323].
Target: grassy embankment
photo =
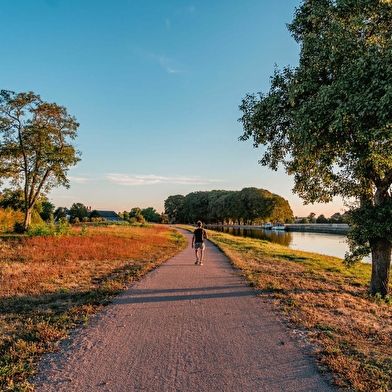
[49, 285]
[326, 305]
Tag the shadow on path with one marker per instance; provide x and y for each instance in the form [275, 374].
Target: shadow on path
[184, 328]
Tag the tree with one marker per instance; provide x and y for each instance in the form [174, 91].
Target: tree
[136, 214]
[329, 120]
[196, 205]
[321, 219]
[47, 210]
[248, 205]
[336, 218]
[174, 208]
[35, 148]
[281, 210]
[60, 213]
[12, 199]
[150, 214]
[94, 215]
[257, 204]
[218, 209]
[163, 218]
[78, 212]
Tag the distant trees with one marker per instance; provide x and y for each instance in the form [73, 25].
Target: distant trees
[35, 148]
[46, 210]
[94, 214]
[321, 219]
[174, 208]
[250, 205]
[138, 215]
[60, 214]
[78, 213]
[150, 214]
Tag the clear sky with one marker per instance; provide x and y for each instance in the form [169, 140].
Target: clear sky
[155, 85]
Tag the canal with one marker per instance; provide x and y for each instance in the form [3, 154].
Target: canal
[323, 243]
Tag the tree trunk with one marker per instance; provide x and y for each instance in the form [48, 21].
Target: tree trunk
[381, 264]
[27, 218]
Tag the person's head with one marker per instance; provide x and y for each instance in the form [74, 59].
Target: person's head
[199, 224]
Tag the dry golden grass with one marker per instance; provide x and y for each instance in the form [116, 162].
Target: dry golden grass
[48, 285]
[326, 305]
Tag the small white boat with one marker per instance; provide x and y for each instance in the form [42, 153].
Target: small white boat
[278, 226]
[267, 226]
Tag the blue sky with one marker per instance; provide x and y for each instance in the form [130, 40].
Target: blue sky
[155, 86]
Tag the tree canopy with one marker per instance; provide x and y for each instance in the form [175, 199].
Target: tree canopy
[328, 121]
[250, 205]
[35, 147]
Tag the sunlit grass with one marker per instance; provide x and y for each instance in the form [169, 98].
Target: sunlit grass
[50, 284]
[350, 331]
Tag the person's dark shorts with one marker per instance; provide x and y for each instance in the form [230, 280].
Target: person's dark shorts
[200, 245]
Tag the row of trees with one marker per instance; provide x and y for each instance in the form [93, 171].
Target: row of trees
[148, 214]
[328, 121]
[45, 211]
[335, 218]
[248, 206]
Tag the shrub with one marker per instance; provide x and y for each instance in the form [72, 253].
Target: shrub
[9, 218]
[40, 230]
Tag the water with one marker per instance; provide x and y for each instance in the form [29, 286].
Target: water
[327, 244]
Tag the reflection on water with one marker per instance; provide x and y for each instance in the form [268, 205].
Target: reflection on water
[327, 244]
[279, 236]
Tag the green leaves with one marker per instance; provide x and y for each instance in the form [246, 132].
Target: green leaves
[329, 121]
[35, 147]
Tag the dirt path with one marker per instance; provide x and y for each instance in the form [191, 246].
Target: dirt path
[183, 328]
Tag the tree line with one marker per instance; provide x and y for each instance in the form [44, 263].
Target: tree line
[247, 206]
[12, 213]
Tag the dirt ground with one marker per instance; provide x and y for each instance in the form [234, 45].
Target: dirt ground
[184, 328]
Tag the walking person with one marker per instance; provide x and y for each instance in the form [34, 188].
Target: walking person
[199, 235]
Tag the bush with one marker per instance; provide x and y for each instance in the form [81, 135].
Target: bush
[40, 230]
[63, 228]
[9, 218]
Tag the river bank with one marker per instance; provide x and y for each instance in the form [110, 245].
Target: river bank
[330, 228]
[325, 304]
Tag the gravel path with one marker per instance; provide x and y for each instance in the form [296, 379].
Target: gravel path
[183, 328]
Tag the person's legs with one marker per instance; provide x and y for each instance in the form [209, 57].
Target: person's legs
[196, 254]
[202, 247]
[199, 252]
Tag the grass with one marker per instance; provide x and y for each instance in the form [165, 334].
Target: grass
[326, 305]
[51, 284]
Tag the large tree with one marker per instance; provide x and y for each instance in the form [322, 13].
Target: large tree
[35, 147]
[174, 208]
[328, 121]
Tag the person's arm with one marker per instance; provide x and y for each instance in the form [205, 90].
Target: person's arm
[193, 239]
[205, 234]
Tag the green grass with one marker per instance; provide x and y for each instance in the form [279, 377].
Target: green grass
[349, 330]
